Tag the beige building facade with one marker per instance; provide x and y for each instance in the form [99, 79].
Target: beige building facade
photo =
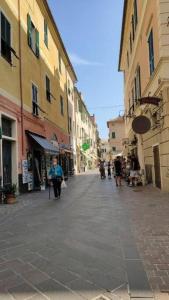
[86, 136]
[144, 60]
[106, 152]
[116, 135]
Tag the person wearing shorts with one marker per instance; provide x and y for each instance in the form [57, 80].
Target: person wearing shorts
[118, 171]
[134, 172]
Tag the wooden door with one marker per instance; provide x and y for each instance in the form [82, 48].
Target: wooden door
[157, 166]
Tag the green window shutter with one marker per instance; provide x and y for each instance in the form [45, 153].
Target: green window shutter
[29, 24]
[37, 43]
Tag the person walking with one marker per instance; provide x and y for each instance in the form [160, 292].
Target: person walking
[109, 170]
[56, 175]
[134, 172]
[102, 170]
[118, 170]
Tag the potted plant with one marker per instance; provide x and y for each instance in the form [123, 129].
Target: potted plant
[11, 194]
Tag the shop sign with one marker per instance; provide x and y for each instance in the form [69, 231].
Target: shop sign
[24, 171]
[85, 146]
[141, 124]
[150, 100]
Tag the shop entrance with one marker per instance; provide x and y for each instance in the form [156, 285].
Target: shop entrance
[157, 166]
[7, 162]
[37, 169]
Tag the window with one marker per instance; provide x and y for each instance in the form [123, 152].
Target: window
[60, 63]
[68, 89]
[45, 33]
[61, 106]
[6, 127]
[130, 43]
[5, 38]
[35, 100]
[33, 37]
[70, 124]
[127, 59]
[113, 135]
[133, 28]
[48, 94]
[151, 52]
[137, 84]
[135, 14]
[133, 99]
[114, 149]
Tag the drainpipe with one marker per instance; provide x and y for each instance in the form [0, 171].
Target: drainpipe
[20, 78]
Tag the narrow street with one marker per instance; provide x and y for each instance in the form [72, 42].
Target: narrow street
[91, 244]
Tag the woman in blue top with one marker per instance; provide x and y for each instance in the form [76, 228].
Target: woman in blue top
[56, 175]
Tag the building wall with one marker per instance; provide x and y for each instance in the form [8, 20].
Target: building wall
[16, 79]
[86, 131]
[150, 13]
[116, 126]
[106, 152]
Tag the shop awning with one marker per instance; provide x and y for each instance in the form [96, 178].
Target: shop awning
[65, 148]
[45, 144]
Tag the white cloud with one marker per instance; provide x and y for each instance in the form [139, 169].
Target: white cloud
[79, 61]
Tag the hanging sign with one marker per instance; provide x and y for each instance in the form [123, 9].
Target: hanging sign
[85, 146]
[141, 124]
[150, 100]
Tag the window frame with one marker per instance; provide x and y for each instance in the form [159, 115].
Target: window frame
[48, 92]
[61, 105]
[60, 62]
[36, 104]
[35, 51]
[46, 33]
[151, 52]
[131, 43]
[128, 60]
[135, 14]
[113, 135]
[11, 35]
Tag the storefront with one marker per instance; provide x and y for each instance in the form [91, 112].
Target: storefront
[8, 150]
[66, 160]
[36, 166]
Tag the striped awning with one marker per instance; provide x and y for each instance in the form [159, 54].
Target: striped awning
[45, 144]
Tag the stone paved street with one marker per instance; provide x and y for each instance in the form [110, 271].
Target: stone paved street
[94, 243]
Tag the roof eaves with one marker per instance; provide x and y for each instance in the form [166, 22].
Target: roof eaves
[60, 39]
[122, 31]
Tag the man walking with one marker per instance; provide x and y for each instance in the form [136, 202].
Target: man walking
[56, 175]
[118, 171]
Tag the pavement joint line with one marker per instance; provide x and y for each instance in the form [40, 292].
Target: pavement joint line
[34, 287]
[117, 288]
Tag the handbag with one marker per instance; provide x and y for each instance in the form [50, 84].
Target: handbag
[63, 185]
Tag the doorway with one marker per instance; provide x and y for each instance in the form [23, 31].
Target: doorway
[37, 169]
[7, 162]
[157, 169]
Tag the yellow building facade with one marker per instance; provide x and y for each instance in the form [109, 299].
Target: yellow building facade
[144, 60]
[34, 72]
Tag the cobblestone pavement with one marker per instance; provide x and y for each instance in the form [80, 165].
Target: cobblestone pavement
[96, 242]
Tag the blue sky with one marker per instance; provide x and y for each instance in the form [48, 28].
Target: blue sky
[91, 30]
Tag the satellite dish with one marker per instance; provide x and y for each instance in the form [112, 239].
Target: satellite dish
[141, 124]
